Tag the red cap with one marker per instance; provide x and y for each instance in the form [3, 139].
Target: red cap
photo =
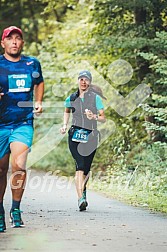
[10, 29]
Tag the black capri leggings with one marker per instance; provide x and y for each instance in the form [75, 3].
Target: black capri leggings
[83, 153]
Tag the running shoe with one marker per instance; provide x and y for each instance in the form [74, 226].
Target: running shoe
[2, 223]
[84, 197]
[82, 204]
[15, 218]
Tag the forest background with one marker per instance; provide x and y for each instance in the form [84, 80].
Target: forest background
[100, 35]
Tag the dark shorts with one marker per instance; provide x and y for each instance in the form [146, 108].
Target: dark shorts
[83, 153]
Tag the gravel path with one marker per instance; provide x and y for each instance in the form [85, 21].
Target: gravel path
[53, 222]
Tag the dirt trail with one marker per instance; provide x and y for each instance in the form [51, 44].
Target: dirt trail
[53, 222]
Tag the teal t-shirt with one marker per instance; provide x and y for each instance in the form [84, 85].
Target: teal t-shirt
[99, 103]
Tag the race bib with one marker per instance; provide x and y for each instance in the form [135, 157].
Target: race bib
[19, 82]
[80, 135]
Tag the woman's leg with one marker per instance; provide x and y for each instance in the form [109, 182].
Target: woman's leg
[79, 182]
[79, 175]
[83, 165]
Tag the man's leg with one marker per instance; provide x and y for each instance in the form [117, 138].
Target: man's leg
[19, 152]
[4, 164]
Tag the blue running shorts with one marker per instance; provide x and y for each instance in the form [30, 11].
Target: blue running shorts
[22, 133]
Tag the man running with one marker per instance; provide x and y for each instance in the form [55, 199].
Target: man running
[20, 77]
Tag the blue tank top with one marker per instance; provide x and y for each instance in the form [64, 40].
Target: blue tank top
[17, 79]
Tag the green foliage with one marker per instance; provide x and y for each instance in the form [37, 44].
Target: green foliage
[136, 31]
[24, 14]
[158, 104]
[142, 182]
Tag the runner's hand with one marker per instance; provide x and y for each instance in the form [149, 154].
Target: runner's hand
[38, 108]
[89, 114]
[63, 129]
[1, 94]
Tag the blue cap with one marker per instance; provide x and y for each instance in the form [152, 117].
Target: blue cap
[86, 74]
